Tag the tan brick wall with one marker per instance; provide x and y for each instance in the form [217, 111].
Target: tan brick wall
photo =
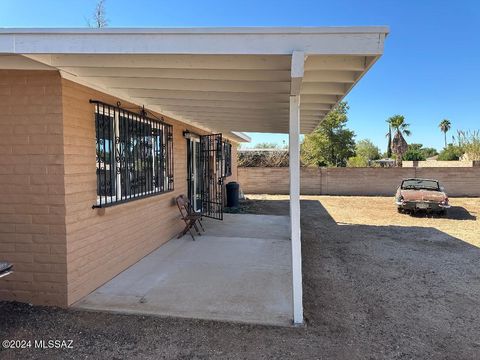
[457, 181]
[356, 181]
[310, 180]
[62, 249]
[363, 181]
[264, 180]
[103, 242]
[32, 203]
[276, 180]
[439, 163]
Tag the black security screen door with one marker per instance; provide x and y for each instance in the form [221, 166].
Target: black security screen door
[211, 163]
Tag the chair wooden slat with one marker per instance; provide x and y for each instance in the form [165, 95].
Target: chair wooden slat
[189, 216]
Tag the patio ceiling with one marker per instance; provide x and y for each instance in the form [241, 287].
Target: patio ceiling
[223, 80]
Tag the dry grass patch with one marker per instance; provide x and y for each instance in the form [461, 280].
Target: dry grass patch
[462, 221]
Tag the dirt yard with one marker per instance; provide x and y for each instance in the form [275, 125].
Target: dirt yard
[460, 222]
[377, 285]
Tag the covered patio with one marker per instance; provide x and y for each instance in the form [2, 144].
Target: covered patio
[221, 80]
[238, 270]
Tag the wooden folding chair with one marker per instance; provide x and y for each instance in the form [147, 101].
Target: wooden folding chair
[191, 210]
[190, 217]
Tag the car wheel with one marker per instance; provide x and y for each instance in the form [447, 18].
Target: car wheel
[400, 210]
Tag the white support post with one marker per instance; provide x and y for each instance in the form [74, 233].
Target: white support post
[298, 61]
[294, 149]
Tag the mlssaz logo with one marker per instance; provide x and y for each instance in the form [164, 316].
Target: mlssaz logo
[54, 344]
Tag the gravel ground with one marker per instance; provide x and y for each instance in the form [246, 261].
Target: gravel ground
[377, 285]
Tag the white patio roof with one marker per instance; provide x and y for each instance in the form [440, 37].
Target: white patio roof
[220, 79]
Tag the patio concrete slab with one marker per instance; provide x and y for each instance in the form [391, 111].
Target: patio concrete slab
[238, 270]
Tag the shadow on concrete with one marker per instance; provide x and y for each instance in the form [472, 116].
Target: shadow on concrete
[238, 270]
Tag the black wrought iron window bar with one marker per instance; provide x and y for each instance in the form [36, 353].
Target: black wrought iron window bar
[134, 155]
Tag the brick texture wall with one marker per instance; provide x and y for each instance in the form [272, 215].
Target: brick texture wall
[61, 248]
[440, 164]
[356, 181]
[103, 242]
[32, 201]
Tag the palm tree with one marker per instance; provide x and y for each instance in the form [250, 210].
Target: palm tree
[399, 145]
[389, 136]
[444, 126]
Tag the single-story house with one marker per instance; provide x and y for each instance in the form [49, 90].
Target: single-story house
[100, 129]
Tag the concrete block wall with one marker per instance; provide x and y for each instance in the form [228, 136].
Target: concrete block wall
[356, 181]
[310, 180]
[363, 181]
[264, 180]
[61, 248]
[32, 191]
[103, 242]
[440, 163]
[457, 181]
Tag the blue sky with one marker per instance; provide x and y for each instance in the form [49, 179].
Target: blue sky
[430, 69]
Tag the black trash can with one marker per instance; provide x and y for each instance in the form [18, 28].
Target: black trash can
[233, 189]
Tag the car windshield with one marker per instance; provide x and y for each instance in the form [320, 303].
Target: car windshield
[418, 184]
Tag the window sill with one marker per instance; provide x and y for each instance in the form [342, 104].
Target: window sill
[129, 200]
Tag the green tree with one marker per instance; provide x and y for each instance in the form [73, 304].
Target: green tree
[331, 143]
[416, 152]
[429, 152]
[450, 153]
[357, 161]
[445, 126]
[366, 149]
[399, 145]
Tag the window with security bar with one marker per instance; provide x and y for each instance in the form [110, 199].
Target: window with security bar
[134, 155]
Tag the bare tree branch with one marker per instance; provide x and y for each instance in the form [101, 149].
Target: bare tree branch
[99, 16]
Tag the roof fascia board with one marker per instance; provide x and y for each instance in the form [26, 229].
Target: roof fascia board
[205, 30]
[244, 137]
[277, 41]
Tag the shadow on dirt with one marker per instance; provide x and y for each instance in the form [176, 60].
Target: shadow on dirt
[454, 213]
[387, 289]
